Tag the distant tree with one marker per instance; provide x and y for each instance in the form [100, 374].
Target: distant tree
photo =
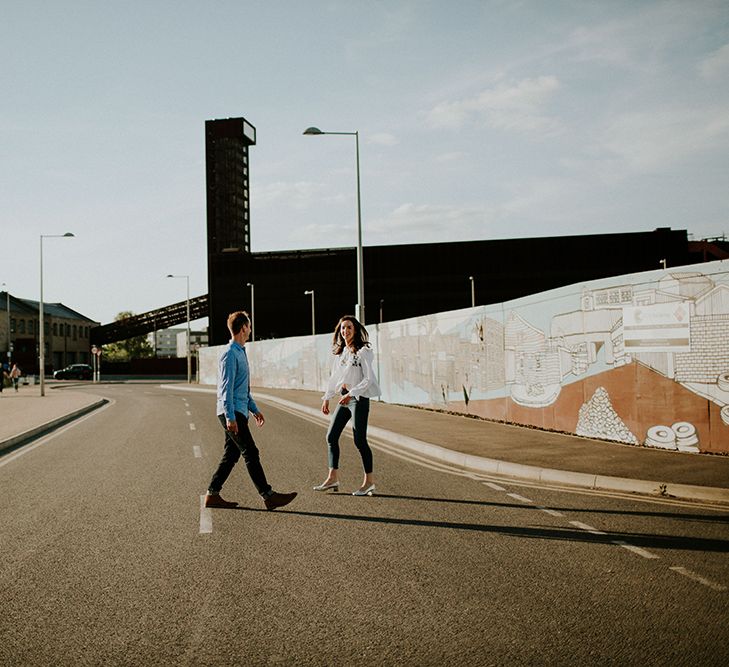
[137, 347]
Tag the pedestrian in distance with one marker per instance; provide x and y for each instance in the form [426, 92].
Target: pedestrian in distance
[3, 375]
[15, 374]
[234, 406]
[353, 381]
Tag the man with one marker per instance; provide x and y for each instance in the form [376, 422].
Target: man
[234, 405]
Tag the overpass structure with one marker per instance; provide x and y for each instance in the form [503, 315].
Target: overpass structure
[154, 320]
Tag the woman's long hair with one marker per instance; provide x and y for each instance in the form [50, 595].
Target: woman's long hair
[360, 340]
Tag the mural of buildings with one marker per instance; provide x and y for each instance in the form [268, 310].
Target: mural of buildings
[640, 359]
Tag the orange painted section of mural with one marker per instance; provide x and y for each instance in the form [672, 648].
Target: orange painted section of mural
[640, 397]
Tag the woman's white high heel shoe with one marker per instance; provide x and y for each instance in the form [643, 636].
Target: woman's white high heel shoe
[334, 486]
[369, 491]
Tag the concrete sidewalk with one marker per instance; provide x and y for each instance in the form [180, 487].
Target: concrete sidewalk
[25, 414]
[469, 444]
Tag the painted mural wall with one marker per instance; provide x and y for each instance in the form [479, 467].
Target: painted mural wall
[641, 359]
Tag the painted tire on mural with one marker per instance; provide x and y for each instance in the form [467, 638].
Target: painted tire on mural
[725, 414]
[685, 434]
[661, 436]
[686, 437]
[723, 381]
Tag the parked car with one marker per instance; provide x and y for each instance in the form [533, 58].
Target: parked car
[74, 372]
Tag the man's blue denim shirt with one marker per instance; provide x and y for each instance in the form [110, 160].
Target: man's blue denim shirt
[234, 383]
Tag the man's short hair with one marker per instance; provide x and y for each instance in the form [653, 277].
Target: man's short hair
[237, 320]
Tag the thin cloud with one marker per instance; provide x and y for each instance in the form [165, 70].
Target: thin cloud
[453, 156]
[383, 139]
[716, 65]
[516, 106]
[425, 222]
[654, 140]
[298, 195]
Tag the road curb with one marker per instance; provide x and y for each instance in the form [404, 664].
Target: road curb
[43, 429]
[480, 464]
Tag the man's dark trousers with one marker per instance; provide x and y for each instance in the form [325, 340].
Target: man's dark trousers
[235, 445]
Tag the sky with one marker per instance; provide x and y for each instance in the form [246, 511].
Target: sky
[477, 120]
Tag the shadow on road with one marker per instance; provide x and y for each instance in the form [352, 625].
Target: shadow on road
[531, 532]
[708, 518]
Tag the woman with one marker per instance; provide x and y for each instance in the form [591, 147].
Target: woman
[353, 381]
[15, 375]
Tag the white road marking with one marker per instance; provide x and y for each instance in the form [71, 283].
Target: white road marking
[495, 487]
[188, 413]
[516, 496]
[197, 451]
[192, 427]
[587, 527]
[47, 438]
[636, 550]
[206, 517]
[696, 577]
[549, 511]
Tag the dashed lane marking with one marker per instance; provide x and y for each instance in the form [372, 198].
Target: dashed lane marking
[516, 496]
[197, 451]
[188, 413]
[636, 550]
[587, 527]
[206, 517]
[192, 427]
[549, 511]
[495, 487]
[697, 577]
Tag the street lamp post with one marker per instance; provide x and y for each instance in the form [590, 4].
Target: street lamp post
[381, 302]
[189, 360]
[360, 308]
[253, 308]
[313, 313]
[41, 339]
[473, 292]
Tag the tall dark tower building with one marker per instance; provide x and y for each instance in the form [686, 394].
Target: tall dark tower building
[228, 214]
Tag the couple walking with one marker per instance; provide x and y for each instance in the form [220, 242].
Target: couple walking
[352, 381]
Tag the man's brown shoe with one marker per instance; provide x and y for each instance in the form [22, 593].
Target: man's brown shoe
[215, 500]
[278, 500]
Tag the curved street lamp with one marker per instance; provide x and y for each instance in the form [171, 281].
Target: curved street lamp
[360, 308]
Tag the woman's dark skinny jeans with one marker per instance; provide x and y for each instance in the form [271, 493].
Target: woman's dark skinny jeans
[359, 409]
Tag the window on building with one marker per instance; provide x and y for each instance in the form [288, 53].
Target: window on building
[55, 328]
[74, 332]
[30, 327]
[47, 328]
[21, 326]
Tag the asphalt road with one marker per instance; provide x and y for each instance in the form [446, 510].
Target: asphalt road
[107, 558]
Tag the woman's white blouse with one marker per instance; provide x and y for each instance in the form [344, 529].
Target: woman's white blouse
[353, 370]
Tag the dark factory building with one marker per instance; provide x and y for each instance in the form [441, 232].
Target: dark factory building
[399, 281]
